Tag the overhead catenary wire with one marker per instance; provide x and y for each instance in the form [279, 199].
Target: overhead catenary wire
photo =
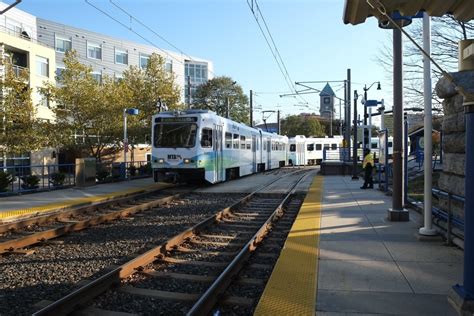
[132, 17]
[134, 32]
[256, 11]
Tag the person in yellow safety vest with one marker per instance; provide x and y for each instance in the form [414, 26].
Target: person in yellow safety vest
[368, 165]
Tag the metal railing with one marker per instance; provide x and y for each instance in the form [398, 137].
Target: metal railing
[117, 171]
[32, 178]
[341, 154]
[454, 225]
[36, 178]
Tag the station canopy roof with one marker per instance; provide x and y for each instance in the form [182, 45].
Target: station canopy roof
[357, 11]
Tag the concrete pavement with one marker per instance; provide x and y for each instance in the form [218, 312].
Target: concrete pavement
[369, 265]
[32, 204]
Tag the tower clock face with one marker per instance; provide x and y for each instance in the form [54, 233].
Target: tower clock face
[326, 100]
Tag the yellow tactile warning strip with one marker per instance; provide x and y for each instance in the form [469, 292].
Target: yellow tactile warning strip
[73, 203]
[292, 287]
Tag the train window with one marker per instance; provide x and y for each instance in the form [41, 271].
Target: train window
[249, 146]
[333, 146]
[206, 138]
[374, 145]
[319, 147]
[310, 147]
[172, 135]
[236, 141]
[326, 146]
[264, 145]
[292, 147]
[242, 142]
[228, 140]
[390, 144]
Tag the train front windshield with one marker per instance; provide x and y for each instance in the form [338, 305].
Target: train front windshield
[173, 135]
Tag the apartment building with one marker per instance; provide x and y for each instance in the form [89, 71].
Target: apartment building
[18, 43]
[39, 46]
[111, 56]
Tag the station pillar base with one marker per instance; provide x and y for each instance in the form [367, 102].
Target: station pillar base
[462, 303]
[398, 215]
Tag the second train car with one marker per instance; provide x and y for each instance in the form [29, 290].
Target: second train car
[198, 145]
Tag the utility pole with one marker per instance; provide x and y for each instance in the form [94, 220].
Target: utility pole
[354, 142]
[227, 112]
[189, 92]
[251, 108]
[348, 117]
[278, 122]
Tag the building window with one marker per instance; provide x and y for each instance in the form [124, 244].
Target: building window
[118, 77]
[42, 100]
[42, 65]
[63, 44]
[169, 66]
[97, 75]
[59, 73]
[121, 57]
[144, 58]
[94, 51]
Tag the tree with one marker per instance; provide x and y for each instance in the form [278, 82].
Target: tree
[446, 32]
[301, 125]
[88, 113]
[20, 130]
[146, 87]
[213, 96]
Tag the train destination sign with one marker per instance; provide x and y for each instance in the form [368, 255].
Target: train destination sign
[175, 119]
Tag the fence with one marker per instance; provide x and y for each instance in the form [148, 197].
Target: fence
[117, 171]
[34, 178]
[22, 179]
[341, 154]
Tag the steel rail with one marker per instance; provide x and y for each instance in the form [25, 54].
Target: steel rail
[79, 297]
[68, 211]
[34, 238]
[208, 300]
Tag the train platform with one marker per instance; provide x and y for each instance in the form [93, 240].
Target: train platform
[343, 257]
[32, 204]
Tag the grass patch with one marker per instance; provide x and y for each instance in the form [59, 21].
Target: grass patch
[416, 188]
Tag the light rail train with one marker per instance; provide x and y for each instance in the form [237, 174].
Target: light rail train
[309, 150]
[198, 145]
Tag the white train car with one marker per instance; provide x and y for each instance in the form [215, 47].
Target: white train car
[297, 150]
[311, 152]
[198, 145]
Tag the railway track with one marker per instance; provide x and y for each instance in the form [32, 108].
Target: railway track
[206, 259]
[17, 236]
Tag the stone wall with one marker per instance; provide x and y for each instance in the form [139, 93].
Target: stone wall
[452, 177]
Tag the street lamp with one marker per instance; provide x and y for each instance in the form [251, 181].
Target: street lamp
[126, 112]
[366, 131]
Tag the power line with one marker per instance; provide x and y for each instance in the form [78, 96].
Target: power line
[273, 48]
[133, 31]
[155, 33]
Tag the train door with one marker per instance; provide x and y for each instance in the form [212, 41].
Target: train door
[269, 154]
[218, 150]
[254, 153]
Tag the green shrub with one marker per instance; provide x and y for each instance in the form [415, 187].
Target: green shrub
[5, 180]
[102, 174]
[57, 178]
[30, 182]
[132, 170]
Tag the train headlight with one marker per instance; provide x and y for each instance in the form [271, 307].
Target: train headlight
[161, 160]
[186, 160]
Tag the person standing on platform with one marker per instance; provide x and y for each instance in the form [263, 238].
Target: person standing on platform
[368, 165]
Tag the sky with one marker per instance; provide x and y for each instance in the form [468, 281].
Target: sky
[313, 42]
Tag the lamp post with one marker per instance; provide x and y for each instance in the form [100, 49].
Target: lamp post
[366, 131]
[126, 112]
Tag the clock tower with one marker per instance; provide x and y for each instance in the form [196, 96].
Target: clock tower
[326, 101]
